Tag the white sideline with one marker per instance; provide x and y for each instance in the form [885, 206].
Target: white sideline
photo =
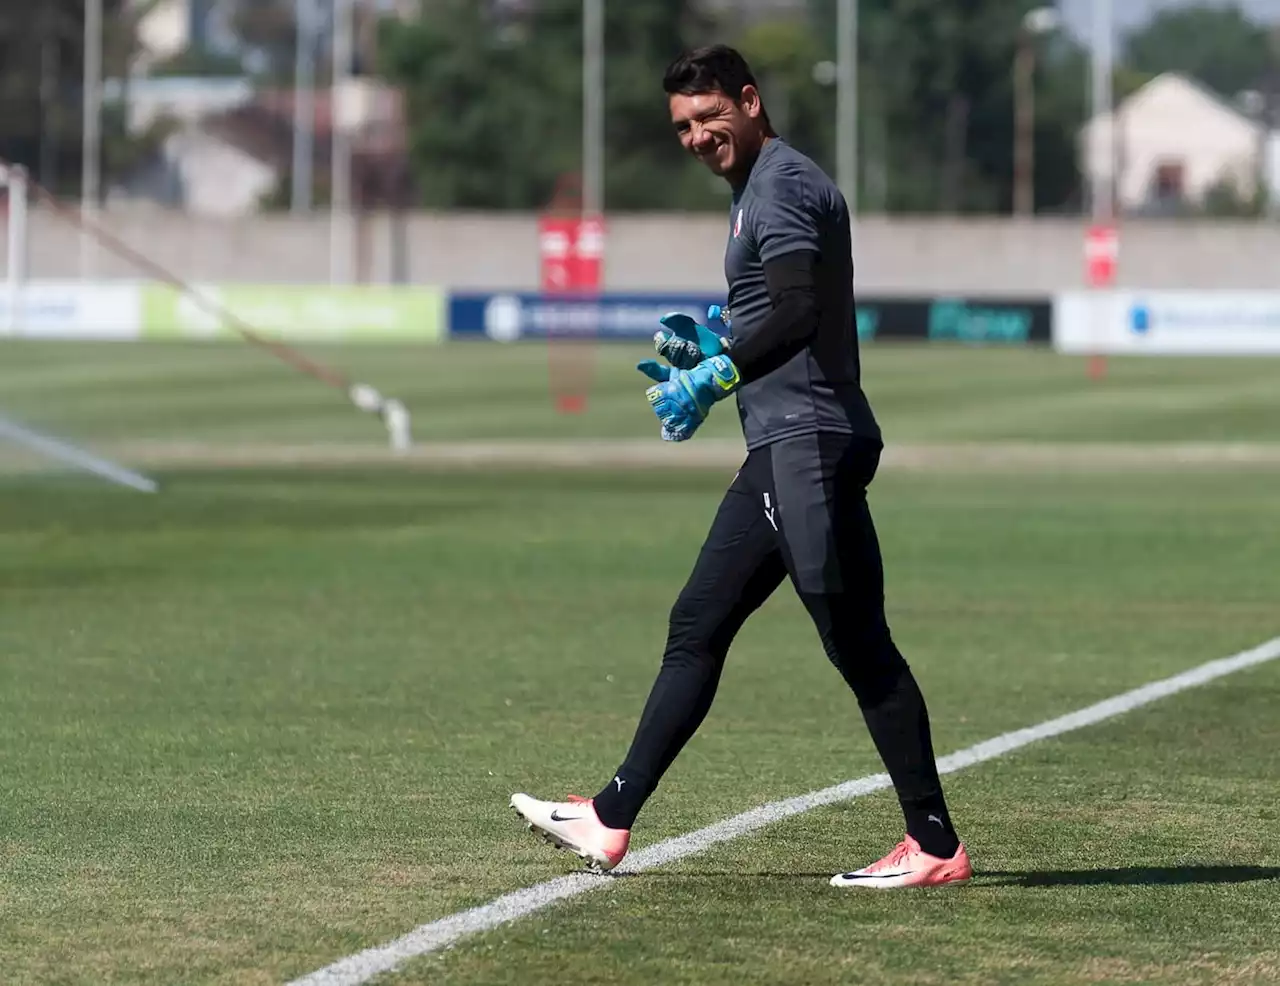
[57, 449]
[364, 966]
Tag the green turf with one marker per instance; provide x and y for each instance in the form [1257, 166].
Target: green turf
[233, 393]
[268, 719]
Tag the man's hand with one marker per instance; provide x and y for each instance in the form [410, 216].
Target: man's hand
[682, 399]
[684, 343]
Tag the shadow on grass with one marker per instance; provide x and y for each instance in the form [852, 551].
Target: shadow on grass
[1132, 876]
[1118, 876]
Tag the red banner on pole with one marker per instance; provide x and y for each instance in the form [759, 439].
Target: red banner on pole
[571, 249]
[1101, 250]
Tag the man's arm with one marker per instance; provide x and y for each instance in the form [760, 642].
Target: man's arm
[791, 326]
[785, 227]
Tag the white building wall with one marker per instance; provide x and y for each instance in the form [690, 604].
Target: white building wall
[1171, 121]
[219, 181]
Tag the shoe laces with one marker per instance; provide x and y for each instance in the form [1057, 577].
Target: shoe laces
[900, 852]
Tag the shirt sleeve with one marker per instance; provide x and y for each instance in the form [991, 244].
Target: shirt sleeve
[792, 324]
[786, 219]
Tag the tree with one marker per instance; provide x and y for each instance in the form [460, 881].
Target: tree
[495, 102]
[785, 56]
[269, 30]
[1218, 46]
[936, 105]
[488, 124]
[41, 86]
[198, 62]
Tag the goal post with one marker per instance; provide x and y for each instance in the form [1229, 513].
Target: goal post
[14, 182]
[15, 186]
[22, 192]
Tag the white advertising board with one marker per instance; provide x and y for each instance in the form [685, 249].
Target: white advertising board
[1205, 323]
[72, 310]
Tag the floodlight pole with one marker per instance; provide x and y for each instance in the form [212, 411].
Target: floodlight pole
[593, 107]
[15, 179]
[1103, 184]
[91, 134]
[1102, 197]
[847, 103]
[304, 105]
[340, 218]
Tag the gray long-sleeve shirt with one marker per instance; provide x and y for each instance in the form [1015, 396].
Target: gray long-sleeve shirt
[788, 204]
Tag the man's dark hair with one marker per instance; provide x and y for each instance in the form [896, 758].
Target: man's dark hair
[718, 68]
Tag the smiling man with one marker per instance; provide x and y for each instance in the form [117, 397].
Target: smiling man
[798, 507]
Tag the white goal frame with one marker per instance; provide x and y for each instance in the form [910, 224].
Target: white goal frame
[22, 190]
[15, 181]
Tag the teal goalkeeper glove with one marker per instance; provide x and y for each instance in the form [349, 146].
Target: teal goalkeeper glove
[682, 399]
[684, 343]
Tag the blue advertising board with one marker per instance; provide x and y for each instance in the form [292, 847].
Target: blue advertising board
[507, 317]
[511, 316]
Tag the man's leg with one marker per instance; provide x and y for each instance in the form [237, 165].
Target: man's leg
[738, 568]
[833, 556]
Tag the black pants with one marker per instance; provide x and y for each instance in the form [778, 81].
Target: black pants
[797, 509]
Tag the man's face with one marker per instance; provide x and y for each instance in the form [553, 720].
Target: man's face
[722, 133]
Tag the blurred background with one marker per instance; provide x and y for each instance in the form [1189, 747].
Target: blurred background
[1086, 177]
[223, 108]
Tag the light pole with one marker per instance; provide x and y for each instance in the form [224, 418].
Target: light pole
[847, 103]
[304, 106]
[593, 107]
[91, 136]
[1103, 179]
[1040, 21]
[341, 226]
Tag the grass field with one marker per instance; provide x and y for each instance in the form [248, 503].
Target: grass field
[272, 716]
[479, 391]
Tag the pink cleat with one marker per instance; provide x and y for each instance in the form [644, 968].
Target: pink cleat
[908, 866]
[574, 825]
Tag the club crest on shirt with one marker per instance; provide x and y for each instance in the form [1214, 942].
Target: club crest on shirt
[737, 226]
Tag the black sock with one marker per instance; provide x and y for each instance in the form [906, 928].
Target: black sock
[930, 825]
[899, 723]
[620, 802]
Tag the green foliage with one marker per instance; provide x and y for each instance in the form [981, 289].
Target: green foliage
[935, 96]
[198, 62]
[1218, 46]
[494, 119]
[1226, 199]
[784, 55]
[41, 79]
[495, 103]
[123, 152]
[269, 28]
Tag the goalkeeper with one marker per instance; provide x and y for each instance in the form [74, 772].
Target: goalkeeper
[798, 507]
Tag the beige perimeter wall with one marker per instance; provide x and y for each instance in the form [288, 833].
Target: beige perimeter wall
[672, 252]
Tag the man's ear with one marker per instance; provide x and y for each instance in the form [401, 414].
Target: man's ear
[751, 102]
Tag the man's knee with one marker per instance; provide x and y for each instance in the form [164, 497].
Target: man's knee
[691, 634]
[859, 644]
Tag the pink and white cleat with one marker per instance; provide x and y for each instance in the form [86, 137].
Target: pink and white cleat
[908, 866]
[574, 825]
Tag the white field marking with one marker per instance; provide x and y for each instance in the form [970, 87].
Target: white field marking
[705, 453]
[65, 452]
[364, 966]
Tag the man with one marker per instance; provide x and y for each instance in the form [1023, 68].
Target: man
[797, 508]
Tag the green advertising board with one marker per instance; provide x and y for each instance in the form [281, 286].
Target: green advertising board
[297, 313]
